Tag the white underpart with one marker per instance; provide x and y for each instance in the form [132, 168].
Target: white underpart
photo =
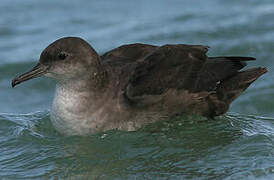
[78, 111]
[71, 115]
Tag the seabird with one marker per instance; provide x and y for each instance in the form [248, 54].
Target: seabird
[136, 84]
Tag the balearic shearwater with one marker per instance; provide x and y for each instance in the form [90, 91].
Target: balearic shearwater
[136, 84]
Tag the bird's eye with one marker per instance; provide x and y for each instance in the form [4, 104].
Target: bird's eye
[62, 55]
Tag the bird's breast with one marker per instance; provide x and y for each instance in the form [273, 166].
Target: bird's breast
[77, 113]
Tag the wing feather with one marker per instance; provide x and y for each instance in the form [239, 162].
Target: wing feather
[169, 66]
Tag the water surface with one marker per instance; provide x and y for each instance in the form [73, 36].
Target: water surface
[239, 145]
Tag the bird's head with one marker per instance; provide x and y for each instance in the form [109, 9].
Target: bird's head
[65, 59]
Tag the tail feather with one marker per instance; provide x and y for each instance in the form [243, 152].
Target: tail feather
[218, 69]
[231, 88]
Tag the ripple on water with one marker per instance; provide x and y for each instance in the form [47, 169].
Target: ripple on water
[189, 146]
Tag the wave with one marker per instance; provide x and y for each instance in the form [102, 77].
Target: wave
[187, 146]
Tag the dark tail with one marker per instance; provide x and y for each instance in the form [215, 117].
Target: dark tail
[231, 88]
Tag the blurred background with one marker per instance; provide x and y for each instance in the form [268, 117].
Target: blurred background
[238, 146]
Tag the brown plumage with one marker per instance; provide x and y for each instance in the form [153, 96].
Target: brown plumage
[137, 84]
[177, 71]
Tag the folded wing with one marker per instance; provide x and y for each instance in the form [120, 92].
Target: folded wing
[211, 83]
[169, 66]
[180, 76]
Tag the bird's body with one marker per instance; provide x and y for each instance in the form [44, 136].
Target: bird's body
[137, 84]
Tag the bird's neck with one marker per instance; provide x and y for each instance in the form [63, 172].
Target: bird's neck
[88, 86]
[95, 79]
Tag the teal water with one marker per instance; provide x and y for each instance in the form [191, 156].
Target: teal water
[239, 145]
